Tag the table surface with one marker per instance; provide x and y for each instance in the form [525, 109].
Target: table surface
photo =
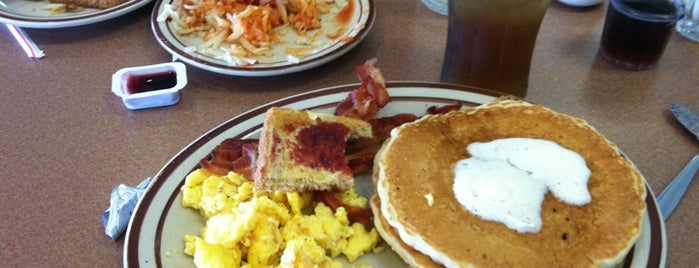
[66, 140]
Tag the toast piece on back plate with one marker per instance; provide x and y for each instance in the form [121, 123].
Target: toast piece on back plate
[90, 3]
[304, 150]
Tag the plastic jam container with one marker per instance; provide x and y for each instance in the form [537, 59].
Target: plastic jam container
[150, 86]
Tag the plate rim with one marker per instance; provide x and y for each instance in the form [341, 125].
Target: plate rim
[79, 19]
[177, 53]
[657, 235]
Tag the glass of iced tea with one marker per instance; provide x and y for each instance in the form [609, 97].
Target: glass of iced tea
[490, 43]
[636, 31]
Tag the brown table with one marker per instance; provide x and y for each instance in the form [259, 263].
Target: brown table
[66, 140]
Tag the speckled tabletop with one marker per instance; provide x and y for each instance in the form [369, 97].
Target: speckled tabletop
[66, 140]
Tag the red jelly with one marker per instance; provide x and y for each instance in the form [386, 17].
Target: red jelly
[322, 146]
[149, 80]
[150, 86]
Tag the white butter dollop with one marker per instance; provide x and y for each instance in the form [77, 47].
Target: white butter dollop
[506, 180]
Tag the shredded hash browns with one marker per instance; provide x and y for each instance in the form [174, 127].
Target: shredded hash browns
[244, 29]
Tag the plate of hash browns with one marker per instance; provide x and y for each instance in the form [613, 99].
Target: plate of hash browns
[45, 14]
[158, 231]
[260, 38]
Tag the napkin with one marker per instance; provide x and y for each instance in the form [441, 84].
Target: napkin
[122, 202]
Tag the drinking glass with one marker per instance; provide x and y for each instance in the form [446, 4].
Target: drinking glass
[490, 43]
[636, 32]
[439, 6]
[688, 26]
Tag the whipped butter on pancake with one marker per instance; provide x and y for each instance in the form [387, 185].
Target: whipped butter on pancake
[505, 180]
[590, 220]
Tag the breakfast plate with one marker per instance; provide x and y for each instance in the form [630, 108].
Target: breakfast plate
[32, 14]
[155, 237]
[334, 38]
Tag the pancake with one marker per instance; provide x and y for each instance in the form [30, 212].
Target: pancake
[418, 161]
[411, 256]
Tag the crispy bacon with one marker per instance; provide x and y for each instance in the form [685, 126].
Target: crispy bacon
[363, 160]
[237, 155]
[444, 109]
[381, 127]
[373, 81]
[354, 214]
[365, 101]
[360, 153]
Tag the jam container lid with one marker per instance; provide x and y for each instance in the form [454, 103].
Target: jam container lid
[150, 86]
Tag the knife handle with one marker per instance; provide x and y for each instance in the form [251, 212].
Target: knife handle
[670, 197]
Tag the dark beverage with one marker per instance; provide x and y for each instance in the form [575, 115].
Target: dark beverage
[490, 43]
[636, 32]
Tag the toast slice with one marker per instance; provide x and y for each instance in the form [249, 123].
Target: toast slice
[304, 150]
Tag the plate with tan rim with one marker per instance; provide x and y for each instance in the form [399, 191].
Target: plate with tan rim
[155, 237]
[33, 13]
[346, 24]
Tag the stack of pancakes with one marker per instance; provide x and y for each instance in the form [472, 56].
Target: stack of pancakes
[418, 215]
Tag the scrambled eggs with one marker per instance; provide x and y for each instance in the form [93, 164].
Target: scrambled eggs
[249, 229]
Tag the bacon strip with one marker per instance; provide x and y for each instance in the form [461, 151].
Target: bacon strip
[360, 153]
[237, 155]
[365, 101]
[444, 109]
[354, 214]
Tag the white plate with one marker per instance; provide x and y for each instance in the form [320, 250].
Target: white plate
[31, 14]
[277, 63]
[581, 3]
[155, 237]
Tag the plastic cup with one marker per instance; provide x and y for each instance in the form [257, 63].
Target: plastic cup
[490, 43]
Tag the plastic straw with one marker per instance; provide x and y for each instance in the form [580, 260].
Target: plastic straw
[25, 42]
